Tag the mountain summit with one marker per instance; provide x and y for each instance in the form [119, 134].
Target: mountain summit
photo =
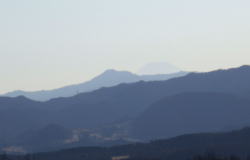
[158, 68]
[108, 78]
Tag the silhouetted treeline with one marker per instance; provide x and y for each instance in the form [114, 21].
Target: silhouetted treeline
[216, 157]
[4, 156]
[210, 156]
[178, 148]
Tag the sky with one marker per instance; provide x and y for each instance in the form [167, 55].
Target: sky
[47, 44]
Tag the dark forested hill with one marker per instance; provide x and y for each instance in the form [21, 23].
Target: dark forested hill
[17, 115]
[178, 148]
[192, 112]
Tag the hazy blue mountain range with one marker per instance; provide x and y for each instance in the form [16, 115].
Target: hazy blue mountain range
[126, 105]
[108, 105]
[192, 112]
[107, 79]
[183, 147]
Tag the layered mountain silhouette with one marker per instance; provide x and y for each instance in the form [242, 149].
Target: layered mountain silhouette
[109, 104]
[223, 144]
[107, 79]
[192, 113]
[220, 96]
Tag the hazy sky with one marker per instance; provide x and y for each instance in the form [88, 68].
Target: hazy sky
[51, 43]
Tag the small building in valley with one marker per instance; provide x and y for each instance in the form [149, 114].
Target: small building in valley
[120, 157]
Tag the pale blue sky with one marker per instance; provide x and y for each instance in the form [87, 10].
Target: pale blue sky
[51, 43]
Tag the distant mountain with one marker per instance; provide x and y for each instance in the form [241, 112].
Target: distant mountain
[107, 105]
[183, 147]
[126, 103]
[192, 112]
[158, 68]
[107, 79]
